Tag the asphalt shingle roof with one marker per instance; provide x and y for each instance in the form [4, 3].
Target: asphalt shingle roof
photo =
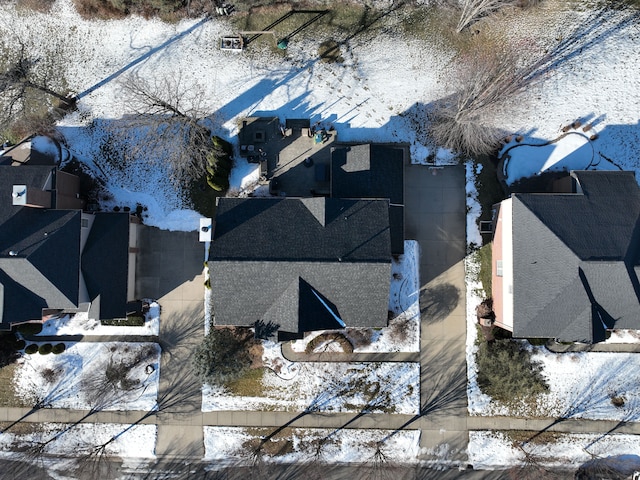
[105, 263]
[574, 259]
[274, 260]
[372, 171]
[40, 258]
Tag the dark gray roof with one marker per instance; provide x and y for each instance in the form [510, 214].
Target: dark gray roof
[307, 229]
[46, 264]
[573, 259]
[301, 263]
[372, 171]
[105, 263]
[46, 270]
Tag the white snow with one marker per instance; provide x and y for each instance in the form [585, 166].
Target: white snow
[489, 450]
[129, 441]
[76, 378]
[81, 324]
[572, 151]
[343, 446]
[44, 145]
[473, 206]
[326, 387]
[376, 94]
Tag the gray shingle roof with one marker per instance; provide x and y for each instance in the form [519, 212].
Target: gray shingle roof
[574, 257]
[372, 171]
[275, 229]
[105, 263]
[45, 271]
[273, 260]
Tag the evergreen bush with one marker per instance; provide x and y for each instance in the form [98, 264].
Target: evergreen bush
[506, 371]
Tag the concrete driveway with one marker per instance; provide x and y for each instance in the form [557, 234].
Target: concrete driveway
[169, 269]
[435, 216]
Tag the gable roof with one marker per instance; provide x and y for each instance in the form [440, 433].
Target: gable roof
[105, 263]
[303, 264]
[310, 229]
[39, 259]
[574, 258]
[40, 254]
[372, 171]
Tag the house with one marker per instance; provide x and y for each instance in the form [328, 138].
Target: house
[301, 264]
[372, 171]
[55, 258]
[566, 266]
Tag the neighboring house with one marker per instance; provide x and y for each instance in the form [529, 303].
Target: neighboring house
[566, 266]
[299, 265]
[54, 258]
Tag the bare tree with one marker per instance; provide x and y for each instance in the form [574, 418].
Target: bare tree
[170, 124]
[473, 10]
[27, 89]
[485, 78]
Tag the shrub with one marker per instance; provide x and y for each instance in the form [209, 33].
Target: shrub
[31, 349]
[223, 356]
[45, 349]
[9, 348]
[506, 371]
[129, 321]
[326, 338]
[58, 348]
[214, 185]
[222, 144]
[617, 401]
[30, 328]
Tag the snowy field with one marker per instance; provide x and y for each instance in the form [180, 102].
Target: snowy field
[403, 332]
[137, 441]
[81, 324]
[489, 450]
[327, 387]
[102, 376]
[344, 446]
[373, 95]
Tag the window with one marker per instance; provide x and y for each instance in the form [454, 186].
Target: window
[84, 223]
[499, 268]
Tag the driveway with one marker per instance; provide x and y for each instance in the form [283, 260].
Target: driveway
[435, 216]
[169, 269]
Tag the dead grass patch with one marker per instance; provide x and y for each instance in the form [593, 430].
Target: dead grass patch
[8, 397]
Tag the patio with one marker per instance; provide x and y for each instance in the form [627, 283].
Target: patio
[295, 158]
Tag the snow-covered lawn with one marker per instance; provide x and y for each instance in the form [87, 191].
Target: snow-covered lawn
[403, 332]
[572, 151]
[496, 450]
[301, 445]
[129, 441]
[326, 387]
[103, 376]
[81, 324]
